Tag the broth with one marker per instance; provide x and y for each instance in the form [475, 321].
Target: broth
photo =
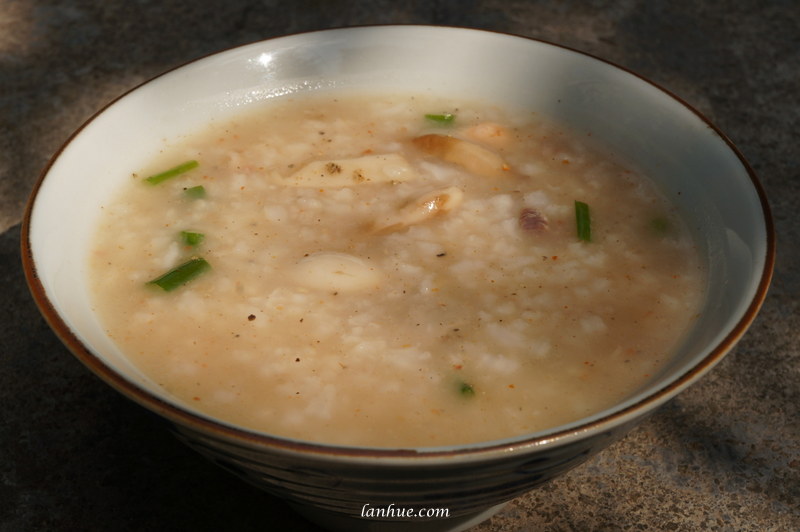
[383, 278]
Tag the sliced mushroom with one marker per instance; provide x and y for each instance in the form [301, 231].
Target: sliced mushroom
[383, 168]
[470, 156]
[533, 221]
[421, 209]
[337, 272]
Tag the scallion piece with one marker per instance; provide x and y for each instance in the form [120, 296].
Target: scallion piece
[583, 221]
[441, 118]
[172, 172]
[466, 389]
[190, 238]
[197, 192]
[182, 274]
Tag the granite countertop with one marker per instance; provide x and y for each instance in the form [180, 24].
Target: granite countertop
[724, 455]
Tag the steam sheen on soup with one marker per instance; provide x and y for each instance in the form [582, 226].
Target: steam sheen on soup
[394, 271]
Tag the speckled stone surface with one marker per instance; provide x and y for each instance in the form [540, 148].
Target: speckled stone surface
[724, 455]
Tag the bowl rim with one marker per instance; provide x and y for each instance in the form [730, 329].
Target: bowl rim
[557, 436]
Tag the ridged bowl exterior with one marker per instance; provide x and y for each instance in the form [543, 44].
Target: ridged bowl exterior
[337, 484]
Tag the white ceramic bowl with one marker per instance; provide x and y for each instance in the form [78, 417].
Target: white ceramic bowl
[634, 118]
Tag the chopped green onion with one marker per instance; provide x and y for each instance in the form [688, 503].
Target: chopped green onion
[466, 389]
[583, 221]
[182, 274]
[197, 192]
[443, 118]
[172, 172]
[191, 238]
[660, 225]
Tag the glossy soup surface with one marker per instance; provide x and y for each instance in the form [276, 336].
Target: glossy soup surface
[382, 278]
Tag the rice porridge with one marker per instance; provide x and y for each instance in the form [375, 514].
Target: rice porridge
[393, 271]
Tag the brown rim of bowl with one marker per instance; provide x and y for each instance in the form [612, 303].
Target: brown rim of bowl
[556, 437]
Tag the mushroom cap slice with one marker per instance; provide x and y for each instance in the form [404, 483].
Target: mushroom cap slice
[390, 167]
[472, 157]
